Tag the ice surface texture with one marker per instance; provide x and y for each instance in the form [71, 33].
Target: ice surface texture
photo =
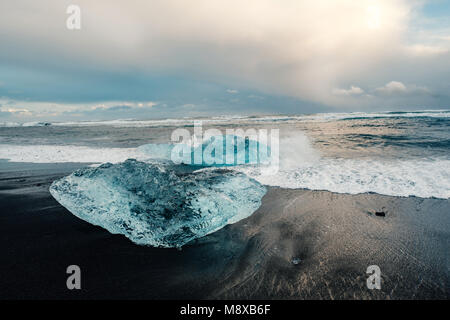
[215, 151]
[158, 204]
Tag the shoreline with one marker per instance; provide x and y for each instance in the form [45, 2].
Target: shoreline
[332, 237]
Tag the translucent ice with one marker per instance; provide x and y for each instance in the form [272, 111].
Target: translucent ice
[160, 151]
[158, 204]
[216, 151]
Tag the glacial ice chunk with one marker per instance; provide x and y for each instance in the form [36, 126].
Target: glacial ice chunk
[158, 204]
[215, 151]
[161, 151]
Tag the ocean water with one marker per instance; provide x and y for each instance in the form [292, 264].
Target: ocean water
[391, 153]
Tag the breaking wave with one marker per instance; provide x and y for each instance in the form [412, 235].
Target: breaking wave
[421, 178]
[301, 166]
[237, 119]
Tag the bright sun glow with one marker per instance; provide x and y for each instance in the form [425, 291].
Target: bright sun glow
[373, 17]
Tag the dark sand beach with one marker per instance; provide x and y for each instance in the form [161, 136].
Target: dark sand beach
[333, 237]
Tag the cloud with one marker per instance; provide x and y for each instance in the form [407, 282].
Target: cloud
[348, 92]
[15, 111]
[427, 50]
[307, 50]
[396, 88]
[149, 104]
[393, 87]
[17, 108]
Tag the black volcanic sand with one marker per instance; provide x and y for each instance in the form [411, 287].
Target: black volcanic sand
[333, 238]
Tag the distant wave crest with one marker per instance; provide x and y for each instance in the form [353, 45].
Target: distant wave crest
[319, 117]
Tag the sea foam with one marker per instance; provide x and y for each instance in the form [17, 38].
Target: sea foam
[238, 119]
[301, 166]
[421, 178]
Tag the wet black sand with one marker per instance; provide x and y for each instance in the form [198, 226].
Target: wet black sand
[334, 236]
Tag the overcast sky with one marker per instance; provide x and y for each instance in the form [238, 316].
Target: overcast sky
[177, 58]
